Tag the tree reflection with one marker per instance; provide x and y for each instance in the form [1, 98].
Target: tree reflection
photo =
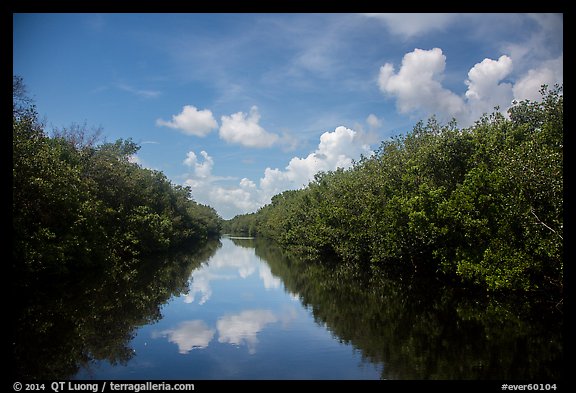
[69, 323]
[245, 242]
[418, 329]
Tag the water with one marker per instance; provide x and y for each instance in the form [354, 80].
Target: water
[244, 309]
[236, 322]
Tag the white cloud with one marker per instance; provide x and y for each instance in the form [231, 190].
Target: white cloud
[485, 75]
[549, 73]
[411, 25]
[373, 121]
[417, 86]
[136, 159]
[227, 201]
[230, 201]
[243, 129]
[188, 335]
[243, 328]
[337, 149]
[191, 121]
[485, 90]
[203, 169]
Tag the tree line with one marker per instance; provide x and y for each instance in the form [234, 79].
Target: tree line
[480, 206]
[79, 205]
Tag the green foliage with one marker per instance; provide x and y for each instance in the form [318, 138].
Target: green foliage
[418, 328]
[243, 224]
[482, 205]
[65, 324]
[76, 204]
[87, 223]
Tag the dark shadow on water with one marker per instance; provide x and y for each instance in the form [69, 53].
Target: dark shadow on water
[419, 329]
[68, 322]
[244, 242]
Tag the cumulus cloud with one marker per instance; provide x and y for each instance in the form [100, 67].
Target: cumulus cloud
[202, 169]
[411, 25]
[243, 328]
[243, 129]
[188, 335]
[191, 121]
[233, 200]
[485, 89]
[336, 149]
[228, 201]
[549, 73]
[417, 85]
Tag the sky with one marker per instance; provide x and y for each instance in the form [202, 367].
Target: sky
[242, 106]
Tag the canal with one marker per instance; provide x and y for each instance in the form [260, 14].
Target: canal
[246, 309]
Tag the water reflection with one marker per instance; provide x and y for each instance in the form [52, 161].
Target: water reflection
[235, 260]
[62, 326]
[253, 311]
[418, 329]
[236, 329]
[188, 335]
[243, 328]
[230, 263]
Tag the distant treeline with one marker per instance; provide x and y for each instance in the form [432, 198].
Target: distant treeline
[77, 204]
[481, 205]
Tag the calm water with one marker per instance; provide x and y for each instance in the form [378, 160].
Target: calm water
[243, 309]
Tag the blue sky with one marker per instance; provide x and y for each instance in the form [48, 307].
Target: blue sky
[241, 107]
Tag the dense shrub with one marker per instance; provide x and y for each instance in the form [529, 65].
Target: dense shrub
[483, 204]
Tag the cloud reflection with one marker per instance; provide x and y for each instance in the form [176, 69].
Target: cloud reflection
[188, 335]
[241, 260]
[243, 328]
[229, 263]
[270, 281]
[200, 284]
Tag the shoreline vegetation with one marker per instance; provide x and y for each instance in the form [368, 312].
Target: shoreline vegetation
[480, 207]
[98, 245]
[78, 205]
